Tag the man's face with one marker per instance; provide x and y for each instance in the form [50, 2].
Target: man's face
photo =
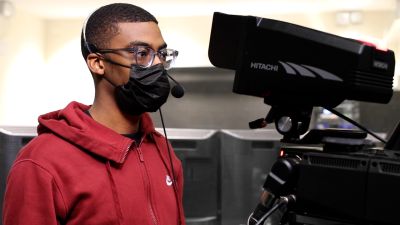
[131, 35]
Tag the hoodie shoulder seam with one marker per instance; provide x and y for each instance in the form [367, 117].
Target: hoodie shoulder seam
[35, 163]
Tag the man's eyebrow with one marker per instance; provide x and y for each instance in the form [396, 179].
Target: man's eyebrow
[141, 43]
[136, 43]
[162, 46]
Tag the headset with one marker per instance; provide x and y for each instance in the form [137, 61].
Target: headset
[90, 47]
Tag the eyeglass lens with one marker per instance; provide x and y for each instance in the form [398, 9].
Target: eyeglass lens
[144, 56]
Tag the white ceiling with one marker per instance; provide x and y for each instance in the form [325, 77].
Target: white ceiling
[81, 8]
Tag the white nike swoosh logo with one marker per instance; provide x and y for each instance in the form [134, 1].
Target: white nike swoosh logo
[168, 180]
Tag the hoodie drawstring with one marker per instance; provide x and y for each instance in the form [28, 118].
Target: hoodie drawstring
[114, 193]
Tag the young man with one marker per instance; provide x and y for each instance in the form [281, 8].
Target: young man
[104, 164]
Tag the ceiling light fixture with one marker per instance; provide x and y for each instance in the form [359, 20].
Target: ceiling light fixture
[6, 8]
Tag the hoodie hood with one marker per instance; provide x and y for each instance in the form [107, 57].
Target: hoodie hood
[75, 126]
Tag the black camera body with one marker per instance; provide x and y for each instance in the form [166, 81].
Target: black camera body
[338, 178]
[344, 185]
[287, 63]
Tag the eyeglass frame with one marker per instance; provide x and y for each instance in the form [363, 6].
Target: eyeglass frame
[133, 50]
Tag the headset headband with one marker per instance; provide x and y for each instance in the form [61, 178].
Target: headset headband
[86, 43]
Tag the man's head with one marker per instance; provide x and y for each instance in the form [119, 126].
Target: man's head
[128, 57]
[102, 25]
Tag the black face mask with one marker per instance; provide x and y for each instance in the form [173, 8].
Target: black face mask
[146, 91]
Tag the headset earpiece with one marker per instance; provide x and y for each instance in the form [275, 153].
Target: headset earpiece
[90, 47]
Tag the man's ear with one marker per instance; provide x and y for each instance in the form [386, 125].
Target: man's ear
[95, 64]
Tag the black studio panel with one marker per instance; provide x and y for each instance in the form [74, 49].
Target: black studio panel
[199, 151]
[246, 158]
[12, 139]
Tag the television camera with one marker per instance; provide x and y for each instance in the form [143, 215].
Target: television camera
[329, 176]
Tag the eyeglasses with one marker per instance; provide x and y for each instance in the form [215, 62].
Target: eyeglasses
[143, 56]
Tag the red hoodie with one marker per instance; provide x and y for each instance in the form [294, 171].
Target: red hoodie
[79, 172]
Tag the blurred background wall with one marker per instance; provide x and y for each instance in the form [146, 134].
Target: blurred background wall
[41, 67]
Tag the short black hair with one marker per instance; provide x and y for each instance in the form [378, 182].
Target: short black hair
[102, 24]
